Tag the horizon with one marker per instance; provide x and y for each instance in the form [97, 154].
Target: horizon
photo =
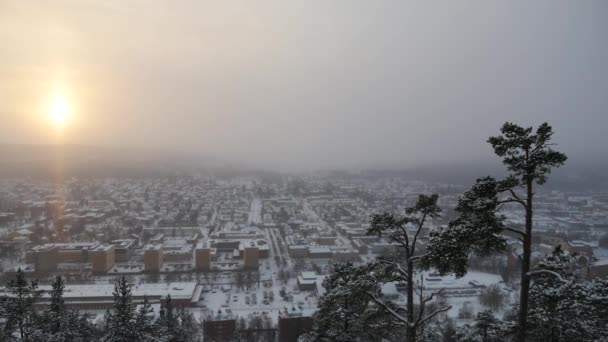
[303, 85]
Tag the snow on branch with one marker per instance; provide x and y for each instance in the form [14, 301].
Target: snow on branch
[432, 314]
[553, 273]
[390, 310]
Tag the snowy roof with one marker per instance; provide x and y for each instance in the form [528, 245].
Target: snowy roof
[470, 279]
[601, 262]
[103, 248]
[153, 247]
[579, 243]
[67, 246]
[309, 275]
[176, 290]
[313, 250]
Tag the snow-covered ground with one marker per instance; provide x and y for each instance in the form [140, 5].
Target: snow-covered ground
[242, 302]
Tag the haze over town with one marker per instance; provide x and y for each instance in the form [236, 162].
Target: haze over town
[303, 171]
[305, 84]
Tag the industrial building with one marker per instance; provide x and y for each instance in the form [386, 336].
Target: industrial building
[102, 258]
[153, 258]
[202, 257]
[99, 297]
[251, 259]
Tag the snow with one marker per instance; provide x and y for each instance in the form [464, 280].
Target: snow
[232, 300]
[469, 280]
[184, 290]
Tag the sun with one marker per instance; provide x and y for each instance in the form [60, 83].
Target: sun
[59, 110]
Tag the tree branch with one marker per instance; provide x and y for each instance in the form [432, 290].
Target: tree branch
[513, 230]
[395, 264]
[403, 244]
[423, 302]
[431, 315]
[420, 225]
[414, 258]
[430, 298]
[553, 273]
[515, 195]
[388, 309]
[513, 200]
[407, 241]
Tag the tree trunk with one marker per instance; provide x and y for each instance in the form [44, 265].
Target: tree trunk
[525, 268]
[410, 330]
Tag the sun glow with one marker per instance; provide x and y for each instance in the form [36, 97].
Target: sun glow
[59, 110]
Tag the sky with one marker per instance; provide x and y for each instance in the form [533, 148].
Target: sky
[304, 83]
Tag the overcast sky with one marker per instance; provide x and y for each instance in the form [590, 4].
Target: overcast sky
[310, 83]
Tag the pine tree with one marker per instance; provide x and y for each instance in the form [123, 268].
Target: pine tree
[144, 325]
[188, 327]
[121, 319]
[17, 308]
[60, 324]
[176, 324]
[409, 259]
[448, 332]
[168, 323]
[487, 328]
[563, 309]
[345, 313]
[529, 158]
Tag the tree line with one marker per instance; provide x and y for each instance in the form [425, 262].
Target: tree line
[21, 320]
[553, 304]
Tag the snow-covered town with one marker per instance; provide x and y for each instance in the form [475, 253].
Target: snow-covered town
[303, 171]
[231, 249]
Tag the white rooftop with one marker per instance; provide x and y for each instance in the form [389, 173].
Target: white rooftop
[176, 290]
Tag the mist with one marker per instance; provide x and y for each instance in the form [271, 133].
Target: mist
[306, 84]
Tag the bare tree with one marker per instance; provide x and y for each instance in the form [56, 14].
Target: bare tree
[492, 297]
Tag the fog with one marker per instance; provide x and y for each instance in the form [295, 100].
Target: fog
[306, 84]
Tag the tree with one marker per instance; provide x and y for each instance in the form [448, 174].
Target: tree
[240, 280]
[144, 325]
[60, 324]
[175, 325]
[241, 323]
[563, 309]
[188, 327]
[284, 275]
[492, 297]
[487, 328]
[529, 159]
[249, 280]
[345, 313]
[403, 265]
[283, 293]
[282, 217]
[17, 307]
[123, 323]
[448, 332]
[465, 312]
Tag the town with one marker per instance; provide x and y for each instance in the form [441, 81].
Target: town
[247, 255]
